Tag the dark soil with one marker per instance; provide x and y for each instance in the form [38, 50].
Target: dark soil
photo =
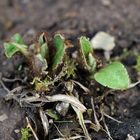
[73, 18]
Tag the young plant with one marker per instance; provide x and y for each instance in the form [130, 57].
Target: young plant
[114, 75]
[35, 59]
[25, 134]
[51, 64]
[15, 45]
[46, 71]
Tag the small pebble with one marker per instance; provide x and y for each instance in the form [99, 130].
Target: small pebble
[129, 137]
[106, 2]
[3, 117]
[16, 130]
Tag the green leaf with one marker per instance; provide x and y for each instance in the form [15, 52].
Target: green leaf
[91, 62]
[10, 49]
[114, 76]
[25, 132]
[44, 51]
[53, 114]
[86, 50]
[15, 45]
[17, 39]
[41, 39]
[86, 46]
[60, 50]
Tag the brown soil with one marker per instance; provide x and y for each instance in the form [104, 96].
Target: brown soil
[73, 18]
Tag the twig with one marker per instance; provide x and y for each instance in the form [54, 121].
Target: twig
[107, 130]
[63, 121]
[111, 118]
[81, 122]
[95, 116]
[29, 126]
[45, 121]
[2, 84]
[69, 99]
[134, 84]
[59, 131]
[70, 138]
[11, 93]
[100, 98]
[87, 91]
[11, 80]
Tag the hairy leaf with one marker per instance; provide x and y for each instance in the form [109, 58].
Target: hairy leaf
[41, 39]
[17, 38]
[87, 54]
[15, 45]
[86, 46]
[44, 51]
[10, 49]
[60, 50]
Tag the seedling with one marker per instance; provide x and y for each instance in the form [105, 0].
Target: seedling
[118, 73]
[16, 45]
[25, 132]
[51, 64]
[114, 75]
